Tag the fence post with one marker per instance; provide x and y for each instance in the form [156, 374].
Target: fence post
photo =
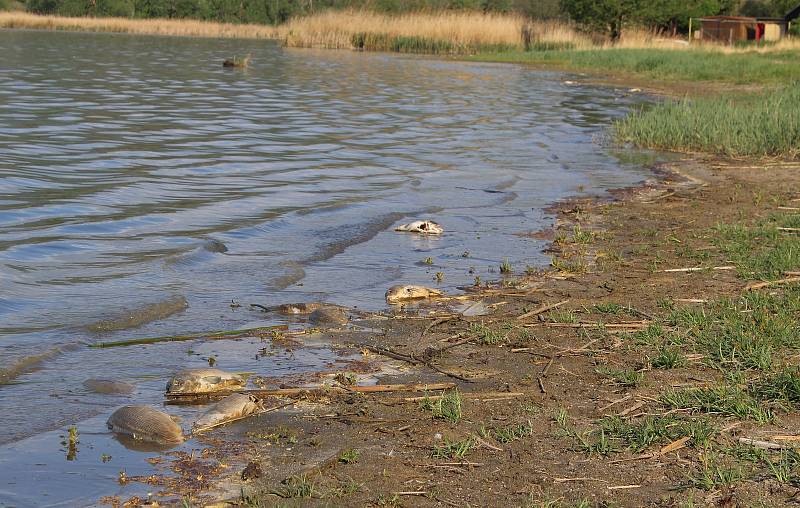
[690, 30]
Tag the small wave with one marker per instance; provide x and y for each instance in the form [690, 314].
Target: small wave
[31, 362]
[140, 316]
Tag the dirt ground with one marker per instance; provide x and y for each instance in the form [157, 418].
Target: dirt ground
[531, 387]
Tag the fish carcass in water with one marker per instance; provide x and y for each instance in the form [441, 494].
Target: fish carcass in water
[329, 316]
[402, 293]
[228, 409]
[146, 424]
[109, 386]
[205, 380]
[423, 227]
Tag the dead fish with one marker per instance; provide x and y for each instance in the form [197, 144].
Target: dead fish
[329, 316]
[108, 386]
[402, 293]
[470, 309]
[423, 227]
[205, 380]
[146, 424]
[228, 409]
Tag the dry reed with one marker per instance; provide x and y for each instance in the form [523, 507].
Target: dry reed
[177, 27]
[452, 32]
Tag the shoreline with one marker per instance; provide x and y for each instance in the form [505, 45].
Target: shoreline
[520, 378]
[555, 397]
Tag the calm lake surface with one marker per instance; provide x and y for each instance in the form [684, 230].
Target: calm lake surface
[125, 163]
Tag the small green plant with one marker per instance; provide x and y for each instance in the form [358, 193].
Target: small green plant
[513, 432]
[623, 377]
[296, 487]
[668, 358]
[505, 266]
[580, 235]
[439, 276]
[563, 316]
[561, 418]
[608, 308]
[349, 456]
[725, 400]
[428, 261]
[714, 474]
[486, 335]
[454, 449]
[446, 407]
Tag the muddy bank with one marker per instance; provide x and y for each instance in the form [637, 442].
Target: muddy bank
[561, 356]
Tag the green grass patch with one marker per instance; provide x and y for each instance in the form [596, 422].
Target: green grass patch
[513, 432]
[454, 449]
[487, 335]
[349, 456]
[723, 400]
[370, 41]
[763, 124]
[447, 407]
[777, 67]
[668, 358]
[623, 377]
[762, 251]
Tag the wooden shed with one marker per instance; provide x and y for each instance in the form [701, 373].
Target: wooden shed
[730, 29]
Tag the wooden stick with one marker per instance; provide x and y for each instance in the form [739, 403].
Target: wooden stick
[229, 334]
[637, 325]
[543, 308]
[699, 269]
[786, 438]
[764, 445]
[295, 392]
[759, 285]
[675, 445]
[788, 229]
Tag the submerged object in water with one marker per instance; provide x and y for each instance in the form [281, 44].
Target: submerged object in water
[216, 246]
[228, 409]
[402, 293]
[299, 308]
[145, 424]
[108, 386]
[423, 227]
[329, 316]
[236, 62]
[205, 380]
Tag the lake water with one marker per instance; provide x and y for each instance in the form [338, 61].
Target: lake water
[125, 160]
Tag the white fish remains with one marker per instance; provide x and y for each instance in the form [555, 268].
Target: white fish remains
[205, 380]
[403, 293]
[146, 424]
[228, 409]
[423, 227]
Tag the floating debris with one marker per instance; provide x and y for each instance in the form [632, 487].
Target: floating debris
[402, 293]
[236, 62]
[145, 424]
[204, 380]
[423, 227]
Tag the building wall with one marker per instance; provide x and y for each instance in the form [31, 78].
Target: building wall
[773, 31]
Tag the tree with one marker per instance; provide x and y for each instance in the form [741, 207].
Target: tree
[607, 16]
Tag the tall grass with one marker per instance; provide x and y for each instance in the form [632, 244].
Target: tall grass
[177, 27]
[765, 124]
[450, 32]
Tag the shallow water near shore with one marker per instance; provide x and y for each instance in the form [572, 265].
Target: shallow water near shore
[143, 188]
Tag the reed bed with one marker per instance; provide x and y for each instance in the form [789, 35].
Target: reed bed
[444, 32]
[176, 27]
[753, 125]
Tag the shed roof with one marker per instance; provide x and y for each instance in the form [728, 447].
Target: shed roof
[794, 13]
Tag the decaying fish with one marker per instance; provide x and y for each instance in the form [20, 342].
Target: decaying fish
[402, 293]
[109, 386]
[329, 316]
[423, 227]
[205, 380]
[228, 409]
[145, 424]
